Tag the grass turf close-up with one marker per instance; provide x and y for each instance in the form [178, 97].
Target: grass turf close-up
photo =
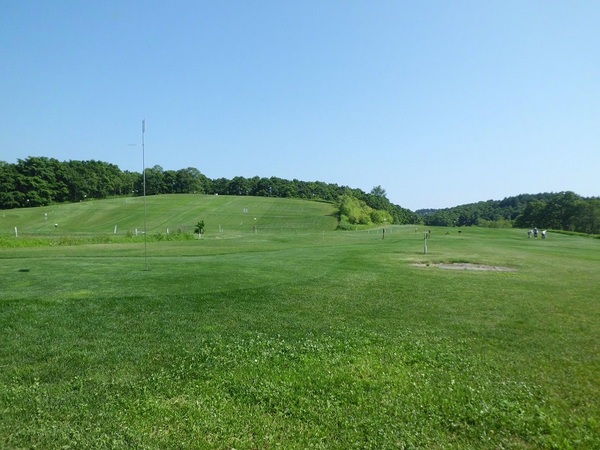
[274, 330]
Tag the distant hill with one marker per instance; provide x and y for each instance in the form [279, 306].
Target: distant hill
[223, 216]
[559, 211]
[41, 181]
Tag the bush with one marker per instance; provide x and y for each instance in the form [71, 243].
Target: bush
[378, 216]
[345, 224]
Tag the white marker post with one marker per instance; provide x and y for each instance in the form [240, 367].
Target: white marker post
[425, 235]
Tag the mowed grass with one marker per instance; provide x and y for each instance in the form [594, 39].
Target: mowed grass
[302, 337]
[226, 215]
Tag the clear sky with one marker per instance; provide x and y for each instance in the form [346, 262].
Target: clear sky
[442, 103]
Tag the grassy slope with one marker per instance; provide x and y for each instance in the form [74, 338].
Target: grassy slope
[226, 213]
[314, 339]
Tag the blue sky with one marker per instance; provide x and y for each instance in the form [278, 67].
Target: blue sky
[441, 103]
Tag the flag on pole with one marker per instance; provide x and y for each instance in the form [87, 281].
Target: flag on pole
[144, 126]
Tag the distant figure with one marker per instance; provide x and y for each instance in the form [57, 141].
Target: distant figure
[55, 225]
[529, 233]
[543, 234]
[535, 232]
[383, 234]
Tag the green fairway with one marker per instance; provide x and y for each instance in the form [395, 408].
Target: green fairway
[225, 215]
[276, 331]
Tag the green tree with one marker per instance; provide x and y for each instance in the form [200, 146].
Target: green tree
[154, 181]
[9, 196]
[379, 216]
[37, 181]
[190, 181]
[199, 228]
[129, 182]
[169, 182]
[562, 211]
[589, 218]
[354, 211]
[533, 215]
[263, 187]
[220, 186]
[239, 186]
[378, 191]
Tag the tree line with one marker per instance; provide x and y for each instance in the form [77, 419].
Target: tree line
[558, 211]
[41, 181]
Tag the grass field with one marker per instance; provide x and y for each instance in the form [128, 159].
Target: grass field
[280, 332]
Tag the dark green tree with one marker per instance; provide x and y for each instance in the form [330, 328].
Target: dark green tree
[378, 191]
[199, 228]
[239, 186]
[9, 196]
[38, 182]
[588, 220]
[190, 181]
[155, 181]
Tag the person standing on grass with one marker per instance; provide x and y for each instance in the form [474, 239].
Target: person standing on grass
[535, 232]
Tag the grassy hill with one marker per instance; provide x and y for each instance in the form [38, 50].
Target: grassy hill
[296, 336]
[221, 214]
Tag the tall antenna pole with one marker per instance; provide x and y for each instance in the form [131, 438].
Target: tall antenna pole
[144, 183]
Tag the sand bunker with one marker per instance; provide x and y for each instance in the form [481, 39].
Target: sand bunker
[466, 266]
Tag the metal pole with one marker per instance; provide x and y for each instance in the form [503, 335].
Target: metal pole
[144, 183]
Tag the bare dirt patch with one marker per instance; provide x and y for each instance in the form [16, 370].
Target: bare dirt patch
[466, 266]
